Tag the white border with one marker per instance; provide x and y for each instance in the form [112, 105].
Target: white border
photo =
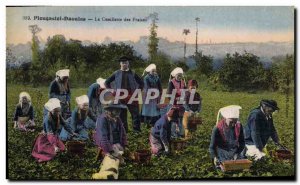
[112, 3]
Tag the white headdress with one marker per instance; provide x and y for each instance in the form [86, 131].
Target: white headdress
[149, 68]
[24, 94]
[63, 72]
[231, 111]
[82, 99]
[177, 70]
[52, 104]
[101, 82]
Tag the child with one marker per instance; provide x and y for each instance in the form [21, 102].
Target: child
[24, 115]
[191, 108]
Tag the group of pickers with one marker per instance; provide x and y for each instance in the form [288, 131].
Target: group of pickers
[168, 120]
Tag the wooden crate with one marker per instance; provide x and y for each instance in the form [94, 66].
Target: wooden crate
[75, 147]
[178, 144]
[234, 165]
[142, 156]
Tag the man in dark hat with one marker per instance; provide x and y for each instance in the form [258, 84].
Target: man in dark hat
[125, 78]
[110, 133]
[260, 128]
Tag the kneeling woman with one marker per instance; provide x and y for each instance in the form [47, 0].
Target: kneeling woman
[47, 144]
[227, 140]
[160, 135]
[24, 116]
[110, 132]
[79, 120]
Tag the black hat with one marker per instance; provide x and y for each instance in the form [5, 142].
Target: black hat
[270, 103]
[114, 106]
[124, 58]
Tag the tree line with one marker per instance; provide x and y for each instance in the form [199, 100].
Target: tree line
[238, 72]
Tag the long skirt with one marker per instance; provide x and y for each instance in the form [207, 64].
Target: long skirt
[150, 109]
[24, 124]
[43, 149]
[82, 133]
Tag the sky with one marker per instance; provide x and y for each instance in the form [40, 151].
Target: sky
[217, 24]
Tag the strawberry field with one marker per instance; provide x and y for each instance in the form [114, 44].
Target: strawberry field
[191, 163]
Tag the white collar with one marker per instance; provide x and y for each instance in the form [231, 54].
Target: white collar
[125, 70]
[267, 117]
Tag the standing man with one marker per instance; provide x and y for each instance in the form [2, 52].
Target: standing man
[126, 79]
[260, 128]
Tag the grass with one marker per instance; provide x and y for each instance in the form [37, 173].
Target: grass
[191, 163]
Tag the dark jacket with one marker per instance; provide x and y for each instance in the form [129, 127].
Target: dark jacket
[133, 81]
[193, 107]
[162, 130]
[217, 141]
[259, 129]
[105, 133]
[54, 92]
[19, 113]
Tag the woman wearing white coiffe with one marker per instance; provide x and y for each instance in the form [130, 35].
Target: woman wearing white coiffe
[177, 83]
[79, 120]
[60, 89]
[227, 139]
[24, 114]
[150, 111]
[95, 106]
[47, 143]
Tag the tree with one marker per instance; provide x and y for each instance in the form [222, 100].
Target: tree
[10, 58]
[164, 67]
[283, 70]
[204, 63]
[35, 43]
[181, 63]
[153, 40]
[185, 32]
[242, 72]
[197, 19]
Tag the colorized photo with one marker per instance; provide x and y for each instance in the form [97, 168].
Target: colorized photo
[150, 93]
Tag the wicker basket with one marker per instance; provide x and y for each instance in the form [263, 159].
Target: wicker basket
[142, 156]
[178, 144]
[234, 165]
[75, 147]
[195, 120]
[282, 154]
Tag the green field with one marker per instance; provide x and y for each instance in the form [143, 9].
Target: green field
[193, 162]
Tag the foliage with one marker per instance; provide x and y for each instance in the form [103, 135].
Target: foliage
[153, 40]
[204, 64]
[85, 62]
[242, 72]
[191, 163]
[164, 66]
[284, 74]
